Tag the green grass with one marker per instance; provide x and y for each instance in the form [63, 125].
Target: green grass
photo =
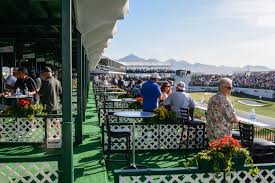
[267, 110]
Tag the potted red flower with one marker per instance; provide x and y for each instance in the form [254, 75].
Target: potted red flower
[224, 154]
[24, 108]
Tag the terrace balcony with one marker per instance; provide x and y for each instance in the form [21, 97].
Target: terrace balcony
[164, 163]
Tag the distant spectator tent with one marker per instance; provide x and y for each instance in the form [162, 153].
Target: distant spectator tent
[142, 70]
[109, 66]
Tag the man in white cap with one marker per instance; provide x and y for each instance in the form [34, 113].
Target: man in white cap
[150, 92]
[179, 99]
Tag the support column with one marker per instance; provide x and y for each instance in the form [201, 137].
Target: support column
[87, 77]
[1, 70]
[83, 84]
[67, 136]
[85, 81]
[79, 119]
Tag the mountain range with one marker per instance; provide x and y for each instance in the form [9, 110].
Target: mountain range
[197, 67]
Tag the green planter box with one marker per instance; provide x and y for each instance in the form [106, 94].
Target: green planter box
[238, 162]
[210, 166]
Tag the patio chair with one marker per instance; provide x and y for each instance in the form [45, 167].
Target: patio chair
[236, 134]
[261, 150]
[117, 134]
[197, 139]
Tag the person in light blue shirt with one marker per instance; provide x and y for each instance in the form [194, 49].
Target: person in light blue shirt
[150, 92]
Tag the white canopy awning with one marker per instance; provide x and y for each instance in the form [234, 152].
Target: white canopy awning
[96, 21]
[100, 45]
[104, 32]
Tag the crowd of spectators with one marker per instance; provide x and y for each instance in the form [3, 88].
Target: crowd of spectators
[260, 80]
[150, 71]
[146, 77]
[108, 68]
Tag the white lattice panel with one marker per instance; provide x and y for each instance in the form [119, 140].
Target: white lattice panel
[181, 178]
[100, 100]
[119, 144]
[74, 108]
[162, 136]
[265, 175]
[170, 136]
[22, 130]
[42, 172]
[53, 128]
[146, 137]
[196, 136]
[74, 98]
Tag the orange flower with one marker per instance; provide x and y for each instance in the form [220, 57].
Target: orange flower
[139, 99]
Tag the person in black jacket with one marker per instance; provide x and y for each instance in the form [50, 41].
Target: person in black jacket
[25, 83]
[50, 91]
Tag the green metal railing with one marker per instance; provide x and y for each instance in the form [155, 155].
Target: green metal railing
[179, 175]
[263, 133]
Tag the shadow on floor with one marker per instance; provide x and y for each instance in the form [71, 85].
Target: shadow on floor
[156, 159]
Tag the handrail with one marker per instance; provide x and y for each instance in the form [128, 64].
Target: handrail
[40, 116]
[176, 171]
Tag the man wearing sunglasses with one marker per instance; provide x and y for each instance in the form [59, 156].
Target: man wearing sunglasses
[220, 112]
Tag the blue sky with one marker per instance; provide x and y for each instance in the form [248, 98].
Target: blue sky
[218, 32]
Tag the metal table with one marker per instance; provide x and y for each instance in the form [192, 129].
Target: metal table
[134, 114]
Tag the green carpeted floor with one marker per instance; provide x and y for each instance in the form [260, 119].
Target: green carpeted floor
[88, 160]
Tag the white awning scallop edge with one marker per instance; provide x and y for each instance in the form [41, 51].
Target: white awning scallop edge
[96, 20]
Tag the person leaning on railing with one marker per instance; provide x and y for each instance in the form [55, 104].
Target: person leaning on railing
[220, 112]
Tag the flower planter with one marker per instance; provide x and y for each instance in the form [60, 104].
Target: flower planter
[238, 162]
[212, 165]
[205, 165]
[224, 155]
